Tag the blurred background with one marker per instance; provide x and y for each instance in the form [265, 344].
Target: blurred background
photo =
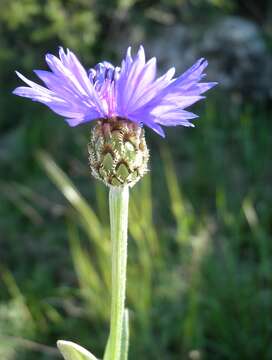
[200, 249]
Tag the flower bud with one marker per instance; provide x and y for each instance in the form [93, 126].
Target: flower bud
[118, 154]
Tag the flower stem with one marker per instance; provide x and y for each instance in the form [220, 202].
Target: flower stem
[118, 199]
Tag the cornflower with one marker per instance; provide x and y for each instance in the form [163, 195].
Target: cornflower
[121, 101]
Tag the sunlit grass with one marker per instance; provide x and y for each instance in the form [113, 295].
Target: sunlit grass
[149, 260]
[199, 270]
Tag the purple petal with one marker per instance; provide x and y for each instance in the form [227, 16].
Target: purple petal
[53, 83]
[174, 118]
[148, 120]
[68, 91]
[130, 91]
[136, 85]
[77, 121]
[200, 88]
[35, 94]
[33, 85]
[128, 79]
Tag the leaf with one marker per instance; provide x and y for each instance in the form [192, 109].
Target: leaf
[125, 336]
[124, 340]
[72, 351]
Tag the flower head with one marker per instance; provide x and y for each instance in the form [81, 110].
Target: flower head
[130, 92]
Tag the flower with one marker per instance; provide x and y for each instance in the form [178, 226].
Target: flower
[130, 91]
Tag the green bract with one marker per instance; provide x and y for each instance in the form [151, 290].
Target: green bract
[118, 153]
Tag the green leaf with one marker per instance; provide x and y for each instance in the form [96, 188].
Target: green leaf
[124, 340]
[125, 336]
[72, 351]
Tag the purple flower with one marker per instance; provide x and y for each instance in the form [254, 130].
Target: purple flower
[131, 91]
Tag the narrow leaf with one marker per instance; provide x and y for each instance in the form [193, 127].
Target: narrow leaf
[124, 340]
[125, 336]
[72, 351]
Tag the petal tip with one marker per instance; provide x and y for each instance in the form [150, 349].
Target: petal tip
[15, 91]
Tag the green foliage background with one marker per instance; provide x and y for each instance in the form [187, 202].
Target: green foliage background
[200, 251]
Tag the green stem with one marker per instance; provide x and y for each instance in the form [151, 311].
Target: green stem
[118, 199]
